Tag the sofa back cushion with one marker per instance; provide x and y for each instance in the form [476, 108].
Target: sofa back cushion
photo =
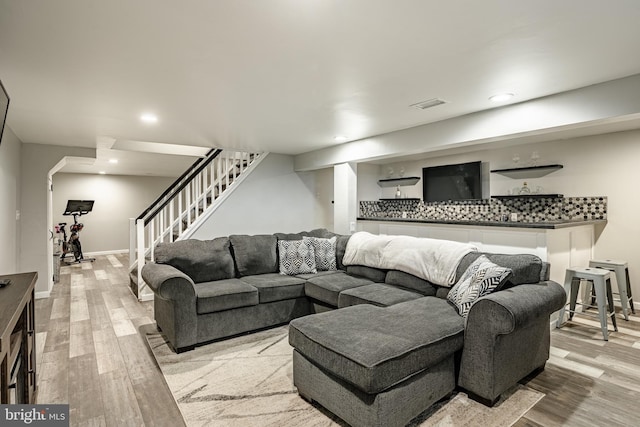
[526, 268]
[255, 254]
[201, 260]
[409, 281]
[291, 236]
[374, 274]
[341, 247]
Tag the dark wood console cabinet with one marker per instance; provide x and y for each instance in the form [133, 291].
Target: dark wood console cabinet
[18, 339]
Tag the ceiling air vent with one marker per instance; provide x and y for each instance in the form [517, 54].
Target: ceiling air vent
[428, 103]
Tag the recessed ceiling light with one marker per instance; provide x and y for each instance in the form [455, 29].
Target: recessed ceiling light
[102, 173]
[114, 161]
[339, 138]
[429, 103]
[149, 118]
[501, 97]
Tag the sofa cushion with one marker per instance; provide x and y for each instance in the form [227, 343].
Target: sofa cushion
[325, 251]
[376, 294]
[526, 268]
[371, 273]
[375, 348]
[409, 281]
[291, 236]
[321, 232]
[276, 287]
[254, 254]
[318, 274]
[326, 288]
[341, 247]
[201, 260]
[481, 278]
[296, 257]
[224, 295]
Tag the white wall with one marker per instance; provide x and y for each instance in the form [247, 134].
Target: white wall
[117, 198]
[272, 199]
[602, 165]
[35, 163]
[9, 200]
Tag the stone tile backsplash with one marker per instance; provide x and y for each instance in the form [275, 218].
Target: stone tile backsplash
[528, 209]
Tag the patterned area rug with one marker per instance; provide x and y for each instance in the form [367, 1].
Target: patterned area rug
[248, 381]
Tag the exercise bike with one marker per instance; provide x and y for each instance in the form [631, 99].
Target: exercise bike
[77, 208]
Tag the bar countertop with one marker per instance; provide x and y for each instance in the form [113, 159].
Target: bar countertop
[547, 225]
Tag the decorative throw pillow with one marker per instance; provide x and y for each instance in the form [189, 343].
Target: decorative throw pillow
[325, 250]
[481, 278]
[296, 257]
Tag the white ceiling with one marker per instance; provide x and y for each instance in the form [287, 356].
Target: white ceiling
[286, 76]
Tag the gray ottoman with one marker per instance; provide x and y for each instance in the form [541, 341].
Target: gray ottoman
[375, 366]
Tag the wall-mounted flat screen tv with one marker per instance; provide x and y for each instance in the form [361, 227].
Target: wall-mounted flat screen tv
[4, 108]
[461, 181]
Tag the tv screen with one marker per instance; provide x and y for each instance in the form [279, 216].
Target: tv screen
[4, 107]
[452, 182]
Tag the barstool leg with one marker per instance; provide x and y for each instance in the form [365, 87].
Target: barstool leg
[622, 290]
[575, 287]
[567, 290]
[600, 287]
[626, 272]
[612, 309]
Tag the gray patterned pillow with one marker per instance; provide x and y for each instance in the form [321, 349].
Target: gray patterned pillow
[481, 278]
[296, 257]
[325, 250]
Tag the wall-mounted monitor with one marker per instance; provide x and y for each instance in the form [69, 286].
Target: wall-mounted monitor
[461, 181]
[4, 108]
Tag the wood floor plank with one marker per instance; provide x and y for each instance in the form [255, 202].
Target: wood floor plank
[94, 356]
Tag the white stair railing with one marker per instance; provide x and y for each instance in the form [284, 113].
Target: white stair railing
[184, 206]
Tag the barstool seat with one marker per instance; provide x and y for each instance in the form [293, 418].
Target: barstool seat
[621, 270]
[601, 281]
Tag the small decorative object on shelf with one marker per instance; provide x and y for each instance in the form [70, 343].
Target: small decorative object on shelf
[398, 192]
[534, 158]
[524, 189]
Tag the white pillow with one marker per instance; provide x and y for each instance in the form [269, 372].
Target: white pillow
[296, 257]
[481, 278]
[325, 250]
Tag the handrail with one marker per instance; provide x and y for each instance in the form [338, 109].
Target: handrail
[179, 184]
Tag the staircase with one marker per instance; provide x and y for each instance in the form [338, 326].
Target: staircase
[184, 206]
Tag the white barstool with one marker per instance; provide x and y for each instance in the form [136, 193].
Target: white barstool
[601, 281]
[621, 270]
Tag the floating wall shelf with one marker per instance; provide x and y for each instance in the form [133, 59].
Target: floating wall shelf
[530, 196]
[394, 182]
[528, 171]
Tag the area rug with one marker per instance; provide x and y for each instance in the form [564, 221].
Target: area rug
[248, 381]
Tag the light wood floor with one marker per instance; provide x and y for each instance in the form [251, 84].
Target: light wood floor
[92, 355]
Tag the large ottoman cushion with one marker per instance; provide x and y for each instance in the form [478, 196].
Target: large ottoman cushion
[255, 254]
[375, 348]
[201, 260]
[276, 287]
[224, 295]
[377, 294]
[327, 288]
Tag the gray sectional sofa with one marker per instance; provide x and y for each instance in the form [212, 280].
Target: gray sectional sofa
[373, 346]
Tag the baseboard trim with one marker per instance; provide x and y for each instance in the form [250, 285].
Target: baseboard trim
[42, 294]
[112, 252]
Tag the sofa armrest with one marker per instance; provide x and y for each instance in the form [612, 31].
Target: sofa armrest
[168, 282]
[507, 337]
[507, 310]
[174, 305]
